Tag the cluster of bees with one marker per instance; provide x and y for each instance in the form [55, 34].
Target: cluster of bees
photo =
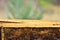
[31, 33]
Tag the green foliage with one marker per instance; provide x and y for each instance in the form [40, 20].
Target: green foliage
[45, 3]
[20, 11]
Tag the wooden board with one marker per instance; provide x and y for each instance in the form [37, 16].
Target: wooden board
[28, 23]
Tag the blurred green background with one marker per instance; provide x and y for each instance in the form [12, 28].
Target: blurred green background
[28, 9]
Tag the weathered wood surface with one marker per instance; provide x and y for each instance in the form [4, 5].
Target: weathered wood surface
[29, 23]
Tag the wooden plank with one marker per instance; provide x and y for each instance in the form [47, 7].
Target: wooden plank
[28, 23]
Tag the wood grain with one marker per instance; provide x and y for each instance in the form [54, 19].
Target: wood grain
[28, 23]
